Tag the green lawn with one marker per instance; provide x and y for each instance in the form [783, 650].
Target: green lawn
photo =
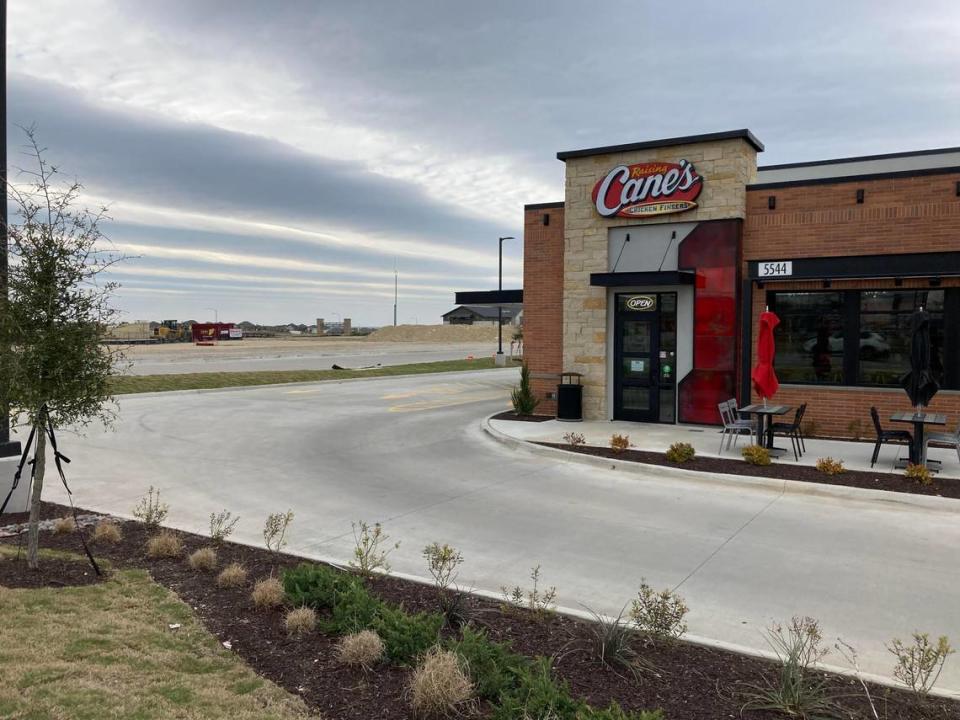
[107, 651]
[203, 381]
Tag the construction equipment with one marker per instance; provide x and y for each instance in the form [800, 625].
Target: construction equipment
[172, 331]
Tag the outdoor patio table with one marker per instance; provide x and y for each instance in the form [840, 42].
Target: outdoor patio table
[764, 426]
[918, 450]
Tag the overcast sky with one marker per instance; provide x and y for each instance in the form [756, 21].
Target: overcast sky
[273, 160]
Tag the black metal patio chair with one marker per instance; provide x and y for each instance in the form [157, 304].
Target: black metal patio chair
[886, 436]
[792, 431]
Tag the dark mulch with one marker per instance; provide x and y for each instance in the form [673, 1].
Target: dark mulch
[511, 415]
[48, 511]
[780, 470]
[53, 572]
[689, 683]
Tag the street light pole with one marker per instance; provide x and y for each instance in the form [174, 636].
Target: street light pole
[500, 360]
[7, 448]
[395, 285]
[216, 315]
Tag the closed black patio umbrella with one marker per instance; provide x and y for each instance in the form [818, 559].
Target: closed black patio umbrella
[919, 381]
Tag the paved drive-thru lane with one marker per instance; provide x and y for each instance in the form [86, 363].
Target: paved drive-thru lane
[409, 452]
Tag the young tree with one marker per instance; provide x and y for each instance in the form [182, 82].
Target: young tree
[54, 371]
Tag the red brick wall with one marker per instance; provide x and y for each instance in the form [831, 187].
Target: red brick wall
[543, 301]
[902, 215]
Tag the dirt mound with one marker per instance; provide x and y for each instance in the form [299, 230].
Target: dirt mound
[440, 333]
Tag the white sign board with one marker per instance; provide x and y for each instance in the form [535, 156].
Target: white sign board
[775, 268]
[236, 333]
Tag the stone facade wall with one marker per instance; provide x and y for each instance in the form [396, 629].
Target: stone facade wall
[543, 301]
[726, 167]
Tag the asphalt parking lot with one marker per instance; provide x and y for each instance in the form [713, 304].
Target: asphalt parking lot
[409, 452]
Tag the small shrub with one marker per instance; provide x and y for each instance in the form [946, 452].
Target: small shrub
[756, 455]
[538, 695]
[574, 439]
[369, 552]
[63, 525]
[829, 466]
[538, 601]
[798, 691]
[493, 666]
[659, 614]
[354, 609]
[619, 443]
[275, 530]
[150, 511]
[920, 663]
[919, 473]
[315, 586]
[166, 544]
[681, 452]
[439, 686]
[442, 563]
[300, 621]
[406, 637]
[107, 531]
[232, 576]
[361, 650]
[203, 560]
[522, 397]
[222, 525]
[615, 712]
[267, 593]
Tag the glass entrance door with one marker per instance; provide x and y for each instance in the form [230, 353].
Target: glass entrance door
[645, 357]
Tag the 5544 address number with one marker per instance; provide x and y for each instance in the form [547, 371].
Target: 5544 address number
[776, 268]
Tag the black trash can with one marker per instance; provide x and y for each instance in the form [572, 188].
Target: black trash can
[570, 397]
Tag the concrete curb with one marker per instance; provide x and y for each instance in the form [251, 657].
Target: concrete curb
[885, 498]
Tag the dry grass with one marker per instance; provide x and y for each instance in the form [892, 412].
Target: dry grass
[300, 621]
[267, 593]
[232, 576]
[107, 531]
[165, 544]
[363, 649]
[439, 686]
[63, 525]
[203, 560]
[105, 651]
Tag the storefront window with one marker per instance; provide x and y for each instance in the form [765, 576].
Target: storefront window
[855, 337]
[810, 337]
[884, 335]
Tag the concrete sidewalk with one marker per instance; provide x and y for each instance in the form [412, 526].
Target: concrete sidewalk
[657, 437]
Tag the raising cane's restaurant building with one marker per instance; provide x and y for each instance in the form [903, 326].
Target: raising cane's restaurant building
[650, 276]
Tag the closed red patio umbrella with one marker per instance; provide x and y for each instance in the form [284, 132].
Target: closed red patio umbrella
[764, 377]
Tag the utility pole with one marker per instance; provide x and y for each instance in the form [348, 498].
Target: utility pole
[7, 448]
[395, 285]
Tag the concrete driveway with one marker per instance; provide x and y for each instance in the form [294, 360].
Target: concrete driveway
[409, 452]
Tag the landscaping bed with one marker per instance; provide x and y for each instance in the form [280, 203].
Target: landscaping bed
[893, 482]
[511, 415]
[687, 681]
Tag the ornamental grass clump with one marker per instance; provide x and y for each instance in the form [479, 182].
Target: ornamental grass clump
[829, 466]
[619, 443]
[799, 690]
[919, 473]
[63, 525]
[440, 686]
[680, 452]
[107, 531]
[165, 544]
[920, 663]
[361, 650]
[756, 455]
[233, 575]
[267, 593]
[300, 621]
[203, 560]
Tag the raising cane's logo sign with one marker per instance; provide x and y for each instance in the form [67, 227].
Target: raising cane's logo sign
[653, 188]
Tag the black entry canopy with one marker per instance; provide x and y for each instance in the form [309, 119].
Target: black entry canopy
[625, 279]
[489, 297]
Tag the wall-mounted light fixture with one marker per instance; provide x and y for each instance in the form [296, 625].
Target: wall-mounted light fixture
[546, 218]
[958, 188]
[860, 196]
[772, 202]
[934, 282]
[898, 282]
[827, 283]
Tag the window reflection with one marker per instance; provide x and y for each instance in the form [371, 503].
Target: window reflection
[809, 338]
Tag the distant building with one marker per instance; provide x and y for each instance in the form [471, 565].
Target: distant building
[481, 315]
